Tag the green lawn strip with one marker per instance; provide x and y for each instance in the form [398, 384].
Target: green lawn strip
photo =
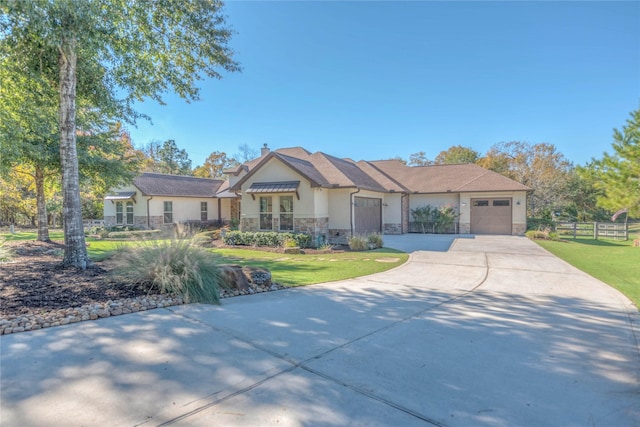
[616, 263]
[297, 270]
[30, 235]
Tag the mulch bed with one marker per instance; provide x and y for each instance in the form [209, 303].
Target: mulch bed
[34, 281]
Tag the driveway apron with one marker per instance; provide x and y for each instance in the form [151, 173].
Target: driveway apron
[472, 331]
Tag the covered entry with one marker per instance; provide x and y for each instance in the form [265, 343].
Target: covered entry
[368, 215]
[491, 216]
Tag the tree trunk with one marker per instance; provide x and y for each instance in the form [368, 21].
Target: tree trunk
[43, 227]
[75, 250]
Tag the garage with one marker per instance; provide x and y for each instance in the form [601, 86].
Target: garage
[491, 216]
[368, 215]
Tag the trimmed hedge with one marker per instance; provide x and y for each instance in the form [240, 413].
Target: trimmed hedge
[134, 234]
[265, 238]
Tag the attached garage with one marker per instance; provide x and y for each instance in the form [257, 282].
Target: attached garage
[367, 213]
[491, 216]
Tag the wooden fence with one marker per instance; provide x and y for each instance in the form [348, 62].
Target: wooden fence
[596, 230]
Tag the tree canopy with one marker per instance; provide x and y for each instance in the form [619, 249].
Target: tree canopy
[617, 175]
[131, 51]
[214, 165]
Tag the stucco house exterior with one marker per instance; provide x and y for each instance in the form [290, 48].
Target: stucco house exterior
[155, 200]
[292, 189]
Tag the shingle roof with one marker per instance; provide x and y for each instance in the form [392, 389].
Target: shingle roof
[324, 170]
[448, 178]
[157, 184]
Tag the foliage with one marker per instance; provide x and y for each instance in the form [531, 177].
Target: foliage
[539, 223]
[358, 243]
[375, 241]
[440, 219]
[6, 254]
[290, 243]
[539, 166]
[166, 158]
[541, 234]
[246, 153]
[214, 165]
[135, 234]
[171, 266]
[617, 175]
[615, 263]
[265, 238]
[419, 159]
[457, 154]
[128, 51]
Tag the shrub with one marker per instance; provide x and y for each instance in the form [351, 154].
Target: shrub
[542, 234]
[375, 240]
[5, 253]
[289, 243]
[171, 266]
[439, 219]
[265, 238]
[358, 243]
[134, 234]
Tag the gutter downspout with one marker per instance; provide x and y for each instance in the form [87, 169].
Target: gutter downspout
[351, 209]
[219, 211]
[148, 217]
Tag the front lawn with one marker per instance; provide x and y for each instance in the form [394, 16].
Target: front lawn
[296, 270]
[616, 263]
[288, 270]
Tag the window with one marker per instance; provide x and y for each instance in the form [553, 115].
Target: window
[129, 212]
[168, 212]
[204, 211]
[119, 216]
[266, 210]
[480, 203]
[501, 203]
[286, 213]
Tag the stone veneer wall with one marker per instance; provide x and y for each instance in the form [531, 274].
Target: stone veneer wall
[235, 209]
[140, 221]
[249, 224]
[312, 226]
[392, 229]
[405, 214]
[109, 221]
[338, 236]
[519, 229]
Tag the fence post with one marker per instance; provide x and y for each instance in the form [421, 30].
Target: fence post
[575, 227]
[595, 230]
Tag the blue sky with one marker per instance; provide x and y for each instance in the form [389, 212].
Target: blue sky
[375, 80]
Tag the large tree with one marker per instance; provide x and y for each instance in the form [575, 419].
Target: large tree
[215, 165]
[539, 166]
[457, 154]
[617, 175]
[144, 50]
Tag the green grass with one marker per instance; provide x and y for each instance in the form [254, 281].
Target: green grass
[615, 262]
[297, 270]
[31, 235]
[289, 270]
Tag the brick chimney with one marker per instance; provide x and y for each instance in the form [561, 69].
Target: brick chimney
[264, 150]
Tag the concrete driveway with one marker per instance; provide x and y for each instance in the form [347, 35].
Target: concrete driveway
[479, 331]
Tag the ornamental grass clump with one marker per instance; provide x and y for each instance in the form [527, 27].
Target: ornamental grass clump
[171, 266]
[6, 254]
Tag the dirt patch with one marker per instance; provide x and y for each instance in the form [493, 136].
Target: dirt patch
[387, 259]
[34, 282]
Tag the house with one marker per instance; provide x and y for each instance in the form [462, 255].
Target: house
[292, 189]
[157, 200]
[330, 198]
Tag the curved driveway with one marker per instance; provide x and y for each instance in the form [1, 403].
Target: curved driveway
[473, 331]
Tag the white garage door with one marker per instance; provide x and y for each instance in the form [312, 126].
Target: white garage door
[491, 216]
